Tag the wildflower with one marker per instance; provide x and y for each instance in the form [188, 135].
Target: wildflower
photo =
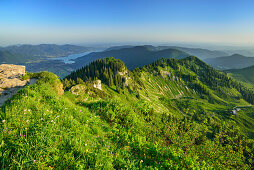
[3, 121]
[41, 156]
[80, 111]
[141, 161]
[27, 121]
[34, 160]
[21, 134]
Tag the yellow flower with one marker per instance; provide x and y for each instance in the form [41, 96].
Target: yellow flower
[141, 161]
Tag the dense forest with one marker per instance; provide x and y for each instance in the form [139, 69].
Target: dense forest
[103, 69]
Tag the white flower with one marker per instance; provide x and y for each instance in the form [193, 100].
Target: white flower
[27, 121]
[3, 121]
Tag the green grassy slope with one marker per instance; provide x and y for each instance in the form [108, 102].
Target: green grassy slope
[166, 115]
[172, 86]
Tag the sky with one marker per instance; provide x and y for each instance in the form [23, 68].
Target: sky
[148, 21]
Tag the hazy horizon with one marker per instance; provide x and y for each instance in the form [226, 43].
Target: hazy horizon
[227, 23]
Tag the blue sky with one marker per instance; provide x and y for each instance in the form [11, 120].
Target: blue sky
[162, 21]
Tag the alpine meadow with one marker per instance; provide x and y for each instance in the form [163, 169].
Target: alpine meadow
[126, 85]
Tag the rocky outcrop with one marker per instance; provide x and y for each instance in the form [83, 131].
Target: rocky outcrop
[78, 89]
[97, 84]
[10, 82]
[124, 72]
[10, 76]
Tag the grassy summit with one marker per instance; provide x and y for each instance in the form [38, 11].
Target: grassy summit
[170, 114]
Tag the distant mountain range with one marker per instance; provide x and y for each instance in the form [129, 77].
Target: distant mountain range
[30, 53]
[133, 57]
[8, 57]
[198, 52]
[244, 51]
[245, 75]
[235, 61]
[47, 50]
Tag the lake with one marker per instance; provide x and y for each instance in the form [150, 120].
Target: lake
[69, 59]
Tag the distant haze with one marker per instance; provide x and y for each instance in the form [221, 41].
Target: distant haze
[78, 21]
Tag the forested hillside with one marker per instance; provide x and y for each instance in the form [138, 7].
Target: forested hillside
[167, 115]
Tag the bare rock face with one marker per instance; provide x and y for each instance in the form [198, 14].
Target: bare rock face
[77, 89]
[10, 75]
[10, 82]
[124, 72]
[97, 84]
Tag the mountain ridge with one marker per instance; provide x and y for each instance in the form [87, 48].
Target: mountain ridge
[199, 52]
[235, 61]
[133, 57]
